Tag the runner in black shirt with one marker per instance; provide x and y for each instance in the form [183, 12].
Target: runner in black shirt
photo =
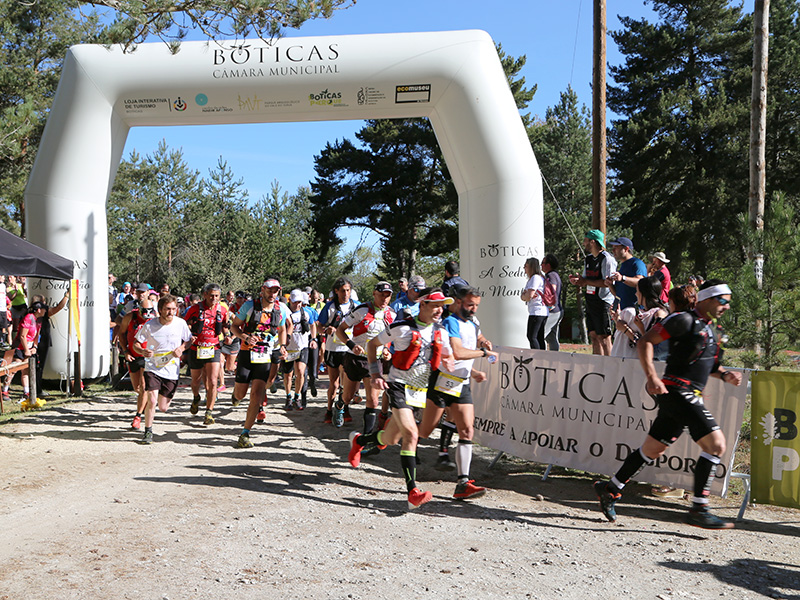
[695, 352]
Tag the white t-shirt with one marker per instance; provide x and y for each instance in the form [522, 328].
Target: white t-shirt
[163, 339]
[536, 306]
[382, 319]
[3, 306]
[468, 332]
[622, 342]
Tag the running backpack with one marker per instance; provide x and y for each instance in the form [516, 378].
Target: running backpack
[549, 295]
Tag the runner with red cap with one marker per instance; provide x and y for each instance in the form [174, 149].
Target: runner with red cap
[420, 346]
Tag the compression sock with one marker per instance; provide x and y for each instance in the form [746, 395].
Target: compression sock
[704, 473]
[448, 429]
[370, 419]
[246, 432]
[635, 462]
[408, 462]
[463, 458]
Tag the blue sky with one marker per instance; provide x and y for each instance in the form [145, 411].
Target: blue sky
[556, 37]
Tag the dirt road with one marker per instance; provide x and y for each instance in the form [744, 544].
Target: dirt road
[87, 512]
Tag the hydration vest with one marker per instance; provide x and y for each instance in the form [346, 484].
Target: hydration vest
[133, 328]
[200, 320]
[404, 359]
[362, 326]
[255, 318]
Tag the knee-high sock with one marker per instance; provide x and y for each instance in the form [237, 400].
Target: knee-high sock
[370, 419]
[703, 476]
[448, 429]
[408, 462]
[463, 458]
[635, 462]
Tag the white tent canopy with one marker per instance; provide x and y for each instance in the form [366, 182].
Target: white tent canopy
[453, 78]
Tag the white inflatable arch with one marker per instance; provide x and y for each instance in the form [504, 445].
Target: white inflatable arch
[453, 78]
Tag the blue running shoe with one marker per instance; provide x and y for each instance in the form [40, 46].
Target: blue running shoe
[338, 415]
[607, 499]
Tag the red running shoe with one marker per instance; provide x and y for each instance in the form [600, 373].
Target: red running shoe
[137, 422]
[354, 456]
[261, 416]
[467, 489]
[417, 498]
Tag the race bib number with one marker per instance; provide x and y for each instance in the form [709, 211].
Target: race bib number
[205, 352]
[590, 289]
[260, 357]
[293, 356]
[162, 360]
[415, 396]
[449, 384]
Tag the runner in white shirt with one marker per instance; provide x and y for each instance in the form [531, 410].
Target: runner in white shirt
[450, 388]
[161, 341]
[420, 346]
[302, 341]
[366, 322]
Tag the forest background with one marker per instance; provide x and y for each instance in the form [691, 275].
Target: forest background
[678, 161]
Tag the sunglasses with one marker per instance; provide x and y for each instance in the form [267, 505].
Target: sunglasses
[274, 289]
[722, 301]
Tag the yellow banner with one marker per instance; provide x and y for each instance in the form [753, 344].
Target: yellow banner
[74, 311]
[775, 443]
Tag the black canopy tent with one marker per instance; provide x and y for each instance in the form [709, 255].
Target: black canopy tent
[20, 257]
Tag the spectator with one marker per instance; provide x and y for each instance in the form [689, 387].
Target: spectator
[537, 311]
[628, 274]
[556, 312]
[452, 278]
[632, 323]
[658, 267]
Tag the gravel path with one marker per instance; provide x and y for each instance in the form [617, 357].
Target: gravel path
[87, 512]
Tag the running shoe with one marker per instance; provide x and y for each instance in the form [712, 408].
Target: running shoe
[370, 451]
[222, 388]
[443, 463]
[137, 422]
[328, 416]
[354, 456]
[338, 416]
[195, 405]
[706, 520]
[274, 387]
[299, 404]
[607, 499]
[312, 386]
[209, 420]
[244, 441]
[147, 439]
[467, 489]
[261, 416]
[234, 400]
[288, 406]
[417, 498]
[347, 417]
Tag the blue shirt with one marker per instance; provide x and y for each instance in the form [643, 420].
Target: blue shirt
[410, 307]
[632, 267]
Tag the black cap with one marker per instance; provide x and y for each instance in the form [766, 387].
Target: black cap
[383, 286]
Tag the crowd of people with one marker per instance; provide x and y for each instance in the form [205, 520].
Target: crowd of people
[419, 347]
[414, 356]
[24, 333]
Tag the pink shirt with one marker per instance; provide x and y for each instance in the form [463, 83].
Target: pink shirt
[30, 323]
[665, 284]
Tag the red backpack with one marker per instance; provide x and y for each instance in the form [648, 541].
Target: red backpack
[549, 294]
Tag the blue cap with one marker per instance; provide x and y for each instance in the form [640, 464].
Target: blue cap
[622, 241]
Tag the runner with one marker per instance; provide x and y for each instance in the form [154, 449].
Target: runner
[131, 324]
[207, 320]
[262, 324]
[450, 388]
[695, 353]
[302, 342]
[419, 347]
[161, 341]
[366, 322]
[329, 320]
[230, 343]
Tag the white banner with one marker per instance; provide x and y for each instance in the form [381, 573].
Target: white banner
[588, 412]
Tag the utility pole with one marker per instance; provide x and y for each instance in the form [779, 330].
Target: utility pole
[758, 125]
[758, 132]
[599, 118]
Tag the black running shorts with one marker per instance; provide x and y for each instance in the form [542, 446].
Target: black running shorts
[678, 409]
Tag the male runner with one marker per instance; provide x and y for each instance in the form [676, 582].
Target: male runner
[302, 343]
[263, 325]
[131, 324]
[161, 341]
[695, 353]
[207, 320]
[450, 388]
[330, 318]
[367, 321]
[420, 346]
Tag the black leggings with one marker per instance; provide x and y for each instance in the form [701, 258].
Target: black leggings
[536, 332]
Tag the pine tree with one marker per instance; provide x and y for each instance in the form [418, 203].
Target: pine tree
[678, 152]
